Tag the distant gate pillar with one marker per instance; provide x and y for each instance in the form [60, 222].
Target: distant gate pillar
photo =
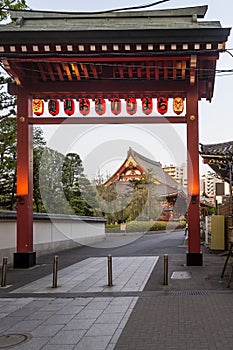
[24, 257]
[194, 255]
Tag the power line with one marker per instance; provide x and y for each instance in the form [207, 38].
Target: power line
[228, 51]
[137, 7]
[124, 65]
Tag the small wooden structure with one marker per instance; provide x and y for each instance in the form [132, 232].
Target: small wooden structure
[220, 158]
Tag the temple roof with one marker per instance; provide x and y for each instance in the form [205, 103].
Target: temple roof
[219, 156]
[165, 184]
[223, 150]
[155, 167]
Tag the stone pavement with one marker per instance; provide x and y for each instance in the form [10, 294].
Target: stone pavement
[194, 311]
[92, 321]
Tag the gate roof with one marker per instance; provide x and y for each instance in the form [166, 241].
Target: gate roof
[54, 54]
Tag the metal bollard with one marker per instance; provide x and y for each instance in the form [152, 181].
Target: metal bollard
[165, 277]
[4, 267]
[55, 265]
[109, 270]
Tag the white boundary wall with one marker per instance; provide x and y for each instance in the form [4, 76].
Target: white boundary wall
[51, 232]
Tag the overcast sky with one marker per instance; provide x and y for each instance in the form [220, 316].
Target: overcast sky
[105, 146]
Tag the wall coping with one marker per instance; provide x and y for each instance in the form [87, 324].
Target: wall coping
[12, 215]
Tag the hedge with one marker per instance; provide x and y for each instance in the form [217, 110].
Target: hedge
[147, 226]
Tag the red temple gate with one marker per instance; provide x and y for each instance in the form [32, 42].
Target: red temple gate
[126, 55]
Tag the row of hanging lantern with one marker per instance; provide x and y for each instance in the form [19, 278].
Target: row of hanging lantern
[116, 106]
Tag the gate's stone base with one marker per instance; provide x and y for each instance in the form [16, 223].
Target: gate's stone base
[194, 259]
[24, 260]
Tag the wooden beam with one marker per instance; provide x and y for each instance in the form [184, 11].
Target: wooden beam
[51, 72]
[192, 72]
[122, 58]
[67, 70]
[174, 71]
[86, 88]
[94, 71]
[183, 69]
[107, 120]
[42, 72]
[130, 72]
[139, 72]
[85, 70]
[76, 70]
[121, 71]
[59, 72]
[165, 69]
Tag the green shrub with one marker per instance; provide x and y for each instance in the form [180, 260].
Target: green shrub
[112, 228]
[146, 226]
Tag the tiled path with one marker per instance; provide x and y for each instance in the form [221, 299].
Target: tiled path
[77, 323]
[66, 323]
[90, 275]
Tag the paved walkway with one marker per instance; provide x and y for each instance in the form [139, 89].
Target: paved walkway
[194, 311]
[90, 275]
[66, 322]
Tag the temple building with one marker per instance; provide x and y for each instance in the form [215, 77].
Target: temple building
[136, 167]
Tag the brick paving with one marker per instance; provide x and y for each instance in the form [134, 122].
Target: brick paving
[194, 313]
[189, 322]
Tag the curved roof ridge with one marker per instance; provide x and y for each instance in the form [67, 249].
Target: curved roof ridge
[198, 11]
[217, 148]
[159, 173]
[132, 152]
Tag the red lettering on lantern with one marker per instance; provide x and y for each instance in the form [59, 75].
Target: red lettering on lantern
[162, 105]
[131, 105]
[84, 106]
[116, 106]
[100, 106]
[178, 105]
[38, 106]
[69, 106]
[147, 105]
[53, 107]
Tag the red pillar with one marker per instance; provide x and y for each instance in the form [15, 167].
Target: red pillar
[194, 256]
[24, 257]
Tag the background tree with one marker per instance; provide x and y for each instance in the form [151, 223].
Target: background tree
[132, 200]
[7, 163]
[56, 189]
[7, 125]
[77, 188]
[39, 145]
[50, 183]
[144, 203]
[6, 5]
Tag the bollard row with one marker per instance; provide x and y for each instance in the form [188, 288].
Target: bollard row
[55, 271]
